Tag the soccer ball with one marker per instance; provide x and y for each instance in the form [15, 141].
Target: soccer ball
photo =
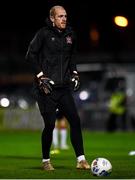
[101, 167]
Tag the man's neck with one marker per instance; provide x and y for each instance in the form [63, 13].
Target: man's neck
[60, 30]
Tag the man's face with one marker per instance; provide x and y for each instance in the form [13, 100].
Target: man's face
[60, 18]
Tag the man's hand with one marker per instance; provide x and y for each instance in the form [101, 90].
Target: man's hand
[45, 84]
[75, 80]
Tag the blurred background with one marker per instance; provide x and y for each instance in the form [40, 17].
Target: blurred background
[106, 62]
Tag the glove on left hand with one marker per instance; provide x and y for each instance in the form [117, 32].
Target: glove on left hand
[76, 80]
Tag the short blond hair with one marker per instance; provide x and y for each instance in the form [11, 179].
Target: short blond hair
[53, 10]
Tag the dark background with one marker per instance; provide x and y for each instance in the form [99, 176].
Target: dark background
[20, 20]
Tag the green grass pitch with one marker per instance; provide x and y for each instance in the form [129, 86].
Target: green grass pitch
[20, 156]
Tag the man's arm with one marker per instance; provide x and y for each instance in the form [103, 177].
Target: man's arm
[73, 69]
[72, 65]
[32, 54]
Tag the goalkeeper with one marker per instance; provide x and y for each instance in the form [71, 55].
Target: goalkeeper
[52, 55]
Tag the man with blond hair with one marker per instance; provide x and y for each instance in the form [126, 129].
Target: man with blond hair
[52, 54]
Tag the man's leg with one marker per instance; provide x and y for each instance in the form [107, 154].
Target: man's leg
[63, 133]
[112, 123]
[55, 139]
[60, 128]
[68, 105]
[49, 119]
[47, 110]
[59, 133]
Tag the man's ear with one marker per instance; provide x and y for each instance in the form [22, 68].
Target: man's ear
[52, 19]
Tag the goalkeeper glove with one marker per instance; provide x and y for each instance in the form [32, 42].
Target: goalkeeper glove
[45, 84]
[75, 80]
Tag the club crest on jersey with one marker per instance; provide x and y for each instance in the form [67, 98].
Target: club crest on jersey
[69, 40]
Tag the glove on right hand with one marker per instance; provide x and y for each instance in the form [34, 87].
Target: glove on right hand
[45, 84]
